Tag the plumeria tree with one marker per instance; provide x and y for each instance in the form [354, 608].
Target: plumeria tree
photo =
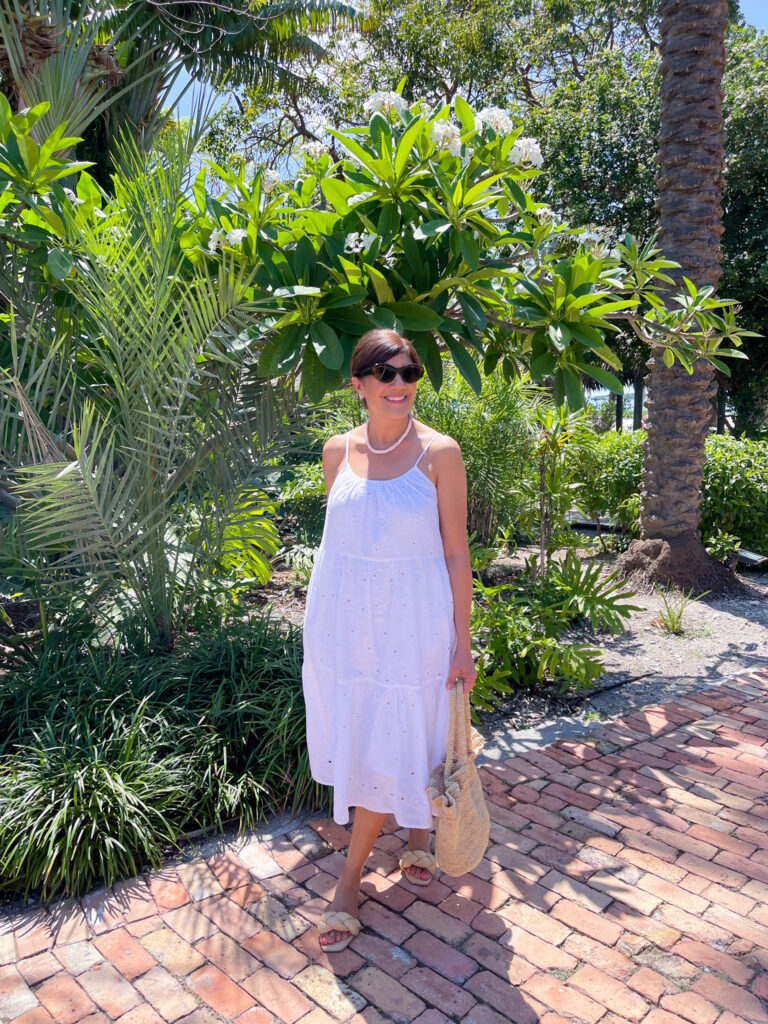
[424, 225]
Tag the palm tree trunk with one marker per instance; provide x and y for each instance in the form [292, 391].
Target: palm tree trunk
[690, 178]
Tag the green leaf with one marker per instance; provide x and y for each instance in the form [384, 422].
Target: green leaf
[5, 115]
[288, 349]
[474, 313]
[573, 390]
[464, 363]
[613, 307]
[469, 249]
[344, 295]
[406, 143]
[429, 353]
[304, 258]
[590, 337]
[668, 358]
[414, 317]
[380, 131]
[59, 264]
[431, 228]
[607, 355]
[385, 319]
[464, 113]
[29, 152]
[315, 378]
[479, 187]
[337, 193]
[389, 222]
[384, 293]
[734, 353]
[491, 360]
[380, 168]
[603, 377]
[88, 189]
[720, 365]
[307, 189]
[559, 335]
[295, 290]
[327, 344]
[542, 366]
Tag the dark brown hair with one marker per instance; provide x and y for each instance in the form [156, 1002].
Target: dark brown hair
[377, 347]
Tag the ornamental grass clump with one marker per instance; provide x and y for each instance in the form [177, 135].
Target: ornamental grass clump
[111, 754]
[87, 800]
[673, 606]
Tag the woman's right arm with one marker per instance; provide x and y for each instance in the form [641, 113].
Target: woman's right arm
[333, 456]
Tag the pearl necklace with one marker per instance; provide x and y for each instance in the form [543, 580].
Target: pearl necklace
[384, 451]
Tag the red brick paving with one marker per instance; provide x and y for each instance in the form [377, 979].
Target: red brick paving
[626, 881]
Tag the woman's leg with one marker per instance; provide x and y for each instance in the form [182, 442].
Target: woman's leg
[365, 829]
[418, 839]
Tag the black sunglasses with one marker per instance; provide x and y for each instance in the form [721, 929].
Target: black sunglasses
[385, 373]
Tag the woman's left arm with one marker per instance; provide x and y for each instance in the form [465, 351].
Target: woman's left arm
[452, 508]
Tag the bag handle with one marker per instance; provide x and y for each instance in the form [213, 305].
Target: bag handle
[458, 729]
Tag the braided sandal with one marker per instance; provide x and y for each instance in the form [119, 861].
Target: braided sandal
[338, 921]
[418, 859]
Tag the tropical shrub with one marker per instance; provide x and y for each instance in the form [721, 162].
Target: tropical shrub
[735, 491]
[494, 431]
[611, 474]
[108, 754]
[521, 628]
[142, 425]
[302, 502]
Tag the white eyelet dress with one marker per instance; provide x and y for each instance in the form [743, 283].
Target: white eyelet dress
[378, 640]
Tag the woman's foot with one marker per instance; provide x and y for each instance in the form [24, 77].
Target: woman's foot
[418, 839]
[346, 899]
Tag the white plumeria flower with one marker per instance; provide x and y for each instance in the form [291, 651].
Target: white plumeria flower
[270, 180]
[385, 102]
[314, 149]
[526, 151]
[357, 241]
[497, 119]
[215, 240]
[446, 136]
[236, 236]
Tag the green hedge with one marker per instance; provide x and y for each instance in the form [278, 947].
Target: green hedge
[734, 489]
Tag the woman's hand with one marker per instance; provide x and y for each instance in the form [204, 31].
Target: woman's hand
[462, 665]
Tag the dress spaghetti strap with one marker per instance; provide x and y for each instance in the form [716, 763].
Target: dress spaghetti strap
[426, 446]
[346, 452]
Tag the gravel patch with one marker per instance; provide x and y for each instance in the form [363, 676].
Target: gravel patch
[645, 665]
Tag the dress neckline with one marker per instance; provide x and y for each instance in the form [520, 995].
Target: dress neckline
[388, 480]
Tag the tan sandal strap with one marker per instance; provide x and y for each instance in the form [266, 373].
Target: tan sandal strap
[338, 921]
[418, 859]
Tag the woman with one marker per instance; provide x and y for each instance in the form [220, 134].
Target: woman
[387, 625]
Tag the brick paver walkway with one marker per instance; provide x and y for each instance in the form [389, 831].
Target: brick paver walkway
[626, 880]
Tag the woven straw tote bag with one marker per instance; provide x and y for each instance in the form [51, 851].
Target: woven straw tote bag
[463, 823]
